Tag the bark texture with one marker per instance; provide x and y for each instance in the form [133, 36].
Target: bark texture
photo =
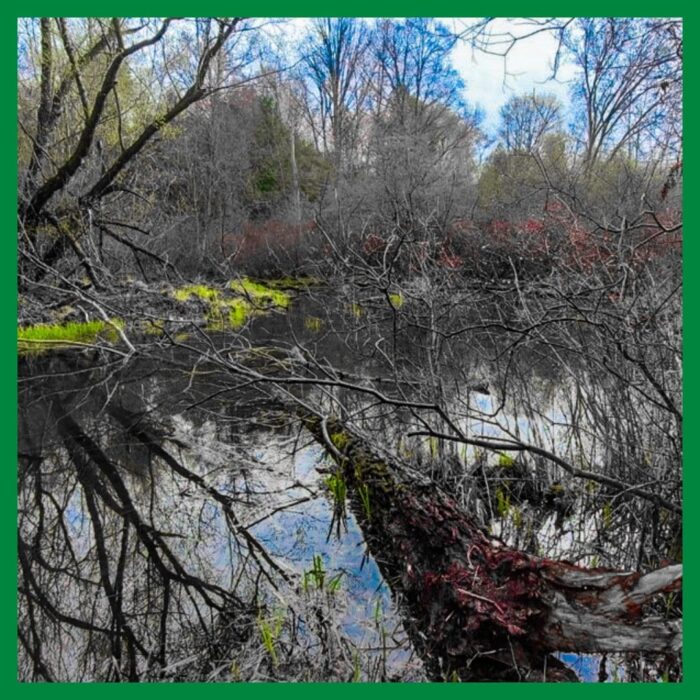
[475, 608]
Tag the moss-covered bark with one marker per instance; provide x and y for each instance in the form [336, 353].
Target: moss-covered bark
[476, 609]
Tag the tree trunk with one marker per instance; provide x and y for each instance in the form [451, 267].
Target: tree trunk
[474, 608]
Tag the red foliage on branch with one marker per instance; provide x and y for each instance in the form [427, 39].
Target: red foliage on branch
[373, 244]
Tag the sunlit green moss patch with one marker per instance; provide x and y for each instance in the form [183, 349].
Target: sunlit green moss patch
[260, 293]
[239, 310]
[396, 300]
[196, 290]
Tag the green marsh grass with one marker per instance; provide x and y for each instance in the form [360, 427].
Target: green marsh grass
[45, 336]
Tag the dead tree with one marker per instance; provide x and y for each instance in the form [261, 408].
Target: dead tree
[476, 609]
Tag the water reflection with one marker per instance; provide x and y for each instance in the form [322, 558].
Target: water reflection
[242, 494]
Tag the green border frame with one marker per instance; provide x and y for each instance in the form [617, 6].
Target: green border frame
[314, 8]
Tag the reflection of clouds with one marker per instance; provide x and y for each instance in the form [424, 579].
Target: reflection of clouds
[299, 534]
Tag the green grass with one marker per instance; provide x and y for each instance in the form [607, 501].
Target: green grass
[45, 336]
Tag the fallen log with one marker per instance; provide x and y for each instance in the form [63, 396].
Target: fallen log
[476, 609]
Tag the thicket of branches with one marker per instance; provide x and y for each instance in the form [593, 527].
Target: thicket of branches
[163, 150]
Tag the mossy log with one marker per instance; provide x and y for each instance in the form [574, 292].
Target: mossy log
[474, 608]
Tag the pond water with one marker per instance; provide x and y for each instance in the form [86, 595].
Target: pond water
[229, 442]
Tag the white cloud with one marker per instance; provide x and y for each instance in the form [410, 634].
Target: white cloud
[492, 80]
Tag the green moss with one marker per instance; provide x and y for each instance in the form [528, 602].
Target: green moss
[239, 310]
[152, 327]
[505, 461]
[45, 336]
[340, 440]
[396, 300]
[258, 292]
[356, 310]
[233, 312]
[196, 290]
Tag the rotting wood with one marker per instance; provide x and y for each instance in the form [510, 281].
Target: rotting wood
[479, 610]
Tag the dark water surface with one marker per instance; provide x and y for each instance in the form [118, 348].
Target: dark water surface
[271, 473]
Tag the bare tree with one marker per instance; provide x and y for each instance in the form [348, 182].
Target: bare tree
[628, 85]
[117, 44]
[526, 119]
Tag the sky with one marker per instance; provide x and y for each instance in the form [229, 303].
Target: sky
[528, 66]
[492, 80]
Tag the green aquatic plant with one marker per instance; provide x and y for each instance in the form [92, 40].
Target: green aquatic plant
[270, 630]
[505, 461]
[363, 491]
[378, 613]
[338, 488]
[313, 324]
[45, 336]
[502, 502]
[317, 574]
[334, 583]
